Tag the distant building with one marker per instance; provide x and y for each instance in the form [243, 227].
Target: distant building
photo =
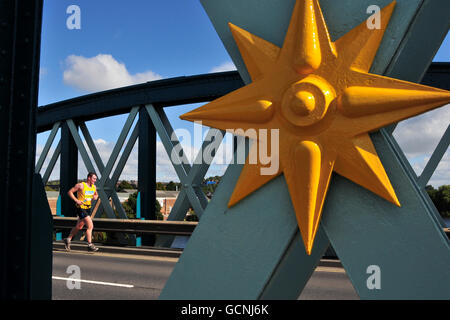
[166, 200]
[52, 197]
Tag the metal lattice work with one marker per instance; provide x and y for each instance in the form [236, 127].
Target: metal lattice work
[190, 176]
[435, 159]
[261, 232]
[419, 182]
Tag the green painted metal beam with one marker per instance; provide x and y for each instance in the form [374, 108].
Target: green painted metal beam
[109, 185]
[20, 39]
[118, 146]
[41, 244]
[92, 148]
[170, 141]
[435, 159]
[47, 146]
[166, 92]
[178, 159]
[147, 171]
[51, 164]
[250, 251]
[90, 167]
[68, 171]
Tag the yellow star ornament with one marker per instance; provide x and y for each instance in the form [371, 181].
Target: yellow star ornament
[324, 102]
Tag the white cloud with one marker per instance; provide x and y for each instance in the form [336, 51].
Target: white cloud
[226, 66]
[419, 136]
[43, 71]
[100, 73]
[442, 174]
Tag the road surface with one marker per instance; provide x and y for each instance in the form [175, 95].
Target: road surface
[126, 277]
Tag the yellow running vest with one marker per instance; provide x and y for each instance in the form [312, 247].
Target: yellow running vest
[86, 195]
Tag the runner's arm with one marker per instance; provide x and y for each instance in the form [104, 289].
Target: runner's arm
[71, 192]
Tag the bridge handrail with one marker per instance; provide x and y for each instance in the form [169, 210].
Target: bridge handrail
[134, 226]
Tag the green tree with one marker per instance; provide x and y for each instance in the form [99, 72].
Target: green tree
[171, 186]
[52, 185]
[443, 202]
[124, 185]
[159, 215]
[209, 188]
[440, 198]
[130, 207]
[192, 217]
[432, 192]
[160, 186]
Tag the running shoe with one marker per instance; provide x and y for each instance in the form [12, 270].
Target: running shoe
[92, 248]
[67, 244]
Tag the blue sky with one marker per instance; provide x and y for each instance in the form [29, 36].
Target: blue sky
[154, 39]
[171, 38]
[135, 41]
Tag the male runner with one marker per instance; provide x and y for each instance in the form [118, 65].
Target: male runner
[86, 192]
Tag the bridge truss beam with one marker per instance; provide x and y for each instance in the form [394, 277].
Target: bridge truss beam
[25, 262]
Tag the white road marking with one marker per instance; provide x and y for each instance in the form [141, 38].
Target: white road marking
[95, 282]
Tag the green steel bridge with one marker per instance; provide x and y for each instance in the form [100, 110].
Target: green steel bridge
[25, 221]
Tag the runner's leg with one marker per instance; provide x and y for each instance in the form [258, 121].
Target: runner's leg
[78, 227]
[90, 227]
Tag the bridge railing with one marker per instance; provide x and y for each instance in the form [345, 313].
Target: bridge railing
[138, 227]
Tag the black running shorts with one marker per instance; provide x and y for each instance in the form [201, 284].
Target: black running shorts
[83, 213]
